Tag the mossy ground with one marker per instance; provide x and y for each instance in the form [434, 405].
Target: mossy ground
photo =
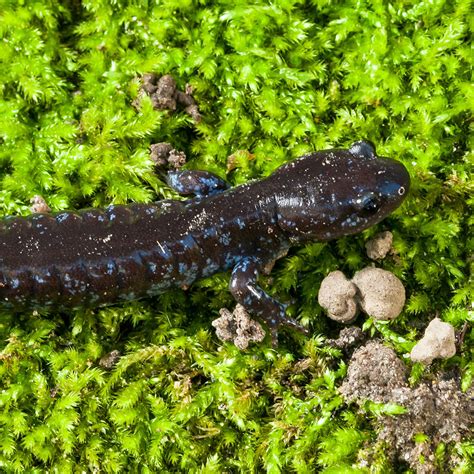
[275, 80]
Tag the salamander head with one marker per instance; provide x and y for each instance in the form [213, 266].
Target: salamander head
[332, 193]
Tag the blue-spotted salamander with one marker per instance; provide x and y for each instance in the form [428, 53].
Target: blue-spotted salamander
[102, 256]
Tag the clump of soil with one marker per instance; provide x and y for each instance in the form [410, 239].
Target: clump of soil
[39, 205]
[164, 155]
[165, 95]
[108, 361]
[349, 339]
[380, 293]
[376, 292]
[378, 247]
[437, 411]
[337, 296]
[374, 372]
[439, 341]
[238, 327]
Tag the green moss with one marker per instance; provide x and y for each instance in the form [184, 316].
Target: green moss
[276, 80]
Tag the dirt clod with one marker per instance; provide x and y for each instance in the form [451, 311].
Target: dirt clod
[349, 339]
[380, 293]
[237, 326]
[165, 95]
[109, 360]
[149, 82]
[436, 411]
[336, 296]
[159, 153]
[374, 371]
[176, 158]
[378, 247]
[39, 205]
[376, 292]
[439, 341]
[164, 155]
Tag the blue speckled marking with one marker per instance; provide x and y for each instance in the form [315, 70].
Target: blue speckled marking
[110, 268]
[62, 216]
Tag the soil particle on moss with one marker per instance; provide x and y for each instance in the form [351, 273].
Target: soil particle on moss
[149, 82]
[176, 159]
[439, 341]
[349, 339]
[39, 205]
[159, 153]
[165, 95]
[376, 292]
[437, 411]
[109, 360]
[186, 100]
[380, 293]
[374, 371]
[238, 327]
[378, 247]
[164, 155]
[337, 296]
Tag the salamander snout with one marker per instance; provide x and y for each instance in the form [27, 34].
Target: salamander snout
[371, 194]
[393, 183]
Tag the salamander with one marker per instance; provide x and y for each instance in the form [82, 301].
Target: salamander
[93, 257]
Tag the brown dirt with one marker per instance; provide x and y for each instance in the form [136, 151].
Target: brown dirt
[437, 411]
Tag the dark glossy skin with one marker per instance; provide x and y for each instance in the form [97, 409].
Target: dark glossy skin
[102, 256]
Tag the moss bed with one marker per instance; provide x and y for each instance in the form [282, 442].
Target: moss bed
[147, 386]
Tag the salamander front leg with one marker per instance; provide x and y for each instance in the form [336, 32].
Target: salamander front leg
[244, 288]
[195, 182]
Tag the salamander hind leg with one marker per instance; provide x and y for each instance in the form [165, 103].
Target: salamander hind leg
[195, 182]
[244, 288]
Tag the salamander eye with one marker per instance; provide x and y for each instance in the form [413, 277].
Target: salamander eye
[367, 203]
